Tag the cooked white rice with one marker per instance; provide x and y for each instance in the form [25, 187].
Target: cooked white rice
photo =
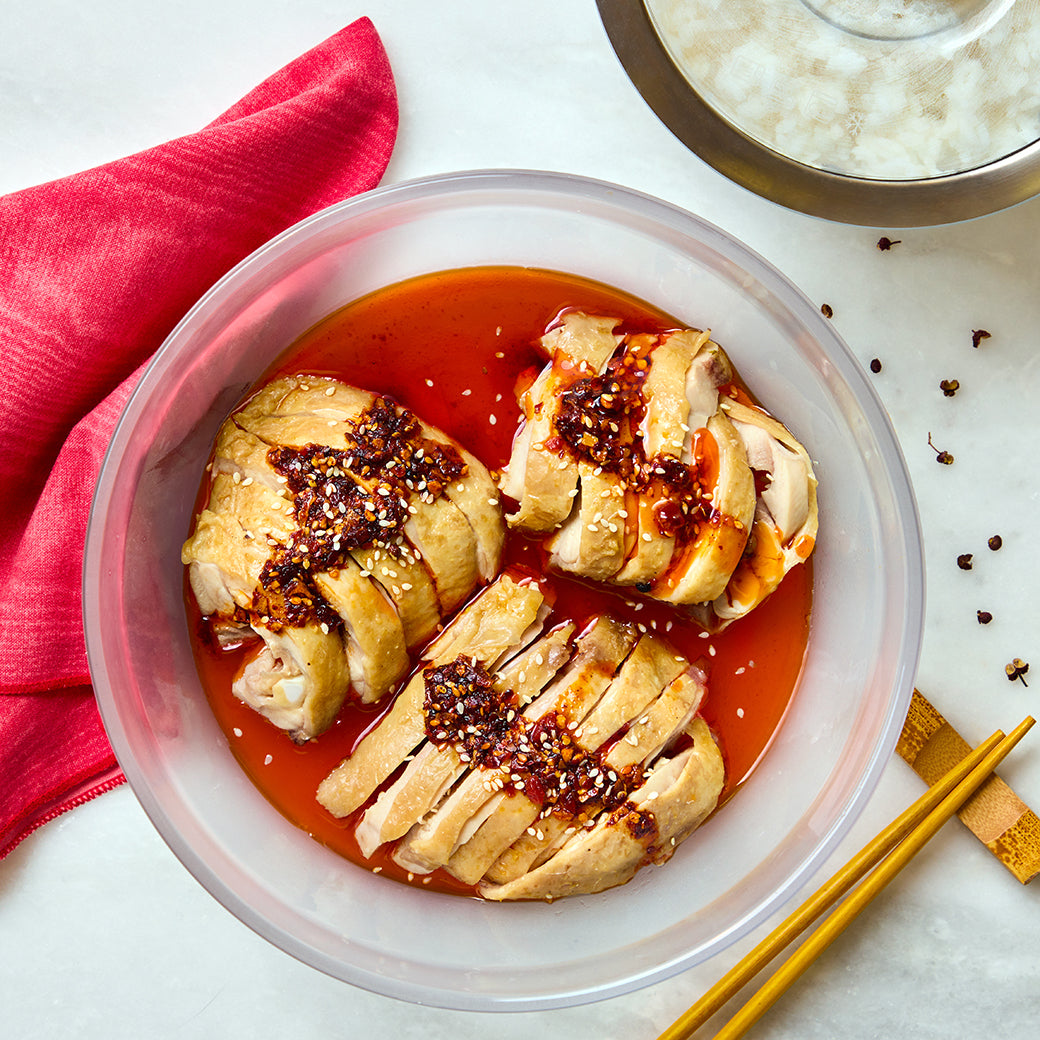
[892, 89]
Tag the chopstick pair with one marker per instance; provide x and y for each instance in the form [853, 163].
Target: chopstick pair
[885, 856]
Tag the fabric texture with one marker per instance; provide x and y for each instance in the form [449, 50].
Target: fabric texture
[96, 269]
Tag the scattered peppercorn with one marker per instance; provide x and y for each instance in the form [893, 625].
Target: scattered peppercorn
[984, 616]
[977, 336]
[884, 243]
[944, 458]
[827, 310]
[875, 365]
[964, 561]
[949, 387]
[1017, 670]
[995, 542]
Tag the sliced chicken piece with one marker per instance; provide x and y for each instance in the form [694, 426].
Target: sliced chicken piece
[786, 515]
[701, 568]
[477, 499]
[431, 770]
[664, 497]
[591, 542]
[298, 680]
[437, 766]
[652, 728]
[661, 433]
[430, 843]
[301, 676]
[227, 551]
[496, 620]
[540, 476]
[600, 650]
[675, 799]
[680, 393]
[376, 651]
[709, 371]
[406, 580]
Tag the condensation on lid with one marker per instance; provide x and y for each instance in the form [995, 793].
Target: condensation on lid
[882, 89]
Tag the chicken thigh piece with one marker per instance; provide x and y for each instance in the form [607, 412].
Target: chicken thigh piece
[341, 530]
[661, 496]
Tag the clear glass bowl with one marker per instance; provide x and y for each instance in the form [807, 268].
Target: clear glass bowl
[464, 953]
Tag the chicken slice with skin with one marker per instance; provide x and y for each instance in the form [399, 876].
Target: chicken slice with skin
[652, 729]
[492, 623]
[674, 800]
[297, 681]
[701, 568]
[681, 393]
[592, 541]
[436, 767]
[786, 515]
[541, 478]
[377, 655]
[430, 770]
[599, 652]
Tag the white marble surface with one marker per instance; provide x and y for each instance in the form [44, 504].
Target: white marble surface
[105, 934]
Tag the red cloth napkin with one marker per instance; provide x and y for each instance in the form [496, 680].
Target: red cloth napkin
[95, 271]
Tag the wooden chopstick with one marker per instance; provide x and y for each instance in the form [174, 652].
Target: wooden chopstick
[913, 828]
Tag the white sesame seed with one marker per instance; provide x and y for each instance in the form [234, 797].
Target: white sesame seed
[268, 759]
[237, 731]
[429, 382]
